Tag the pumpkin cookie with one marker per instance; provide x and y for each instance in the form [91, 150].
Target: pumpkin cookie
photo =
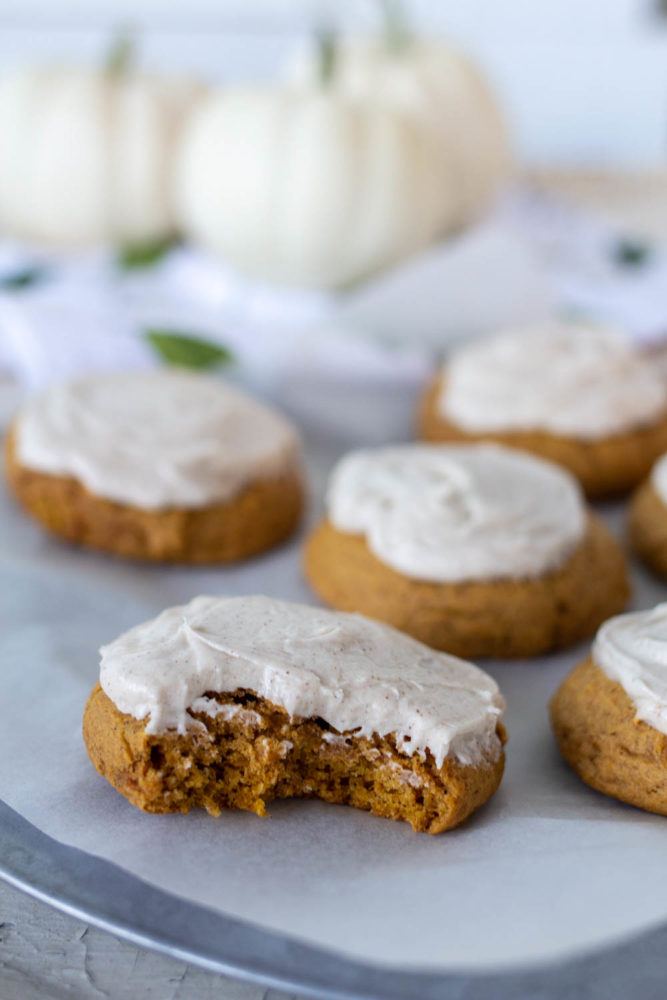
[163, 465]
[648, 519]
[227, 703]
[576, 394]
[609, 715]
[477, 549]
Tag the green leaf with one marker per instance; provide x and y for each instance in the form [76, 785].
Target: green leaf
[138, 255]
[327, 47]
[188, 352]
[631, 253]
[24, 278]
[121, 53]
[396, 31]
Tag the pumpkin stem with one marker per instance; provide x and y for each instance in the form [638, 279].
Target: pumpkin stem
[327, 45]
[120, 55]
[396, 31]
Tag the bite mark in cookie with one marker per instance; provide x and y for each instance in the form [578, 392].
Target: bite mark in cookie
[231, 702]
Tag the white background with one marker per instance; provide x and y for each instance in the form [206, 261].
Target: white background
[584, 81]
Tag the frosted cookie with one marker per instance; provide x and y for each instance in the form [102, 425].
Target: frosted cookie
[648, 519]
[163, 465]
[480, 550]
[576, 394]
[609, 715]
[227, 703]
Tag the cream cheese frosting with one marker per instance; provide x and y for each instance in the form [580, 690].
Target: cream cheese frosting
[659, 478]
[450, 513]
[632, 649]
[155, 439]
[354, 673]
[573, 379]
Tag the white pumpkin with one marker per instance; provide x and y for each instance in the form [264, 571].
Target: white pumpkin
[305, 187]
[86, 154]
[445, 90]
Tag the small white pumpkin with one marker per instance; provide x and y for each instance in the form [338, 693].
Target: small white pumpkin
[305, 187]
[86, 154]
[445, 90]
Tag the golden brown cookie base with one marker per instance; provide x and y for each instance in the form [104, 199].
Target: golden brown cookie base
[598, 735]
[502, 618]
[604, 468]
[648, 528]
[260, 754]
[264, 514]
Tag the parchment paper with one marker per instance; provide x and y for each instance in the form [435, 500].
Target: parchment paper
[547, 869]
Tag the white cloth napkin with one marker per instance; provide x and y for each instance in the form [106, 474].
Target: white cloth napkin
[534, 258]
[594, 269]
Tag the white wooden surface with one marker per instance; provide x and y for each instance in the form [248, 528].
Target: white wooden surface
[45, 954]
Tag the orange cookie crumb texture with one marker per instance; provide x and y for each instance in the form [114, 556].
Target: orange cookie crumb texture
[252, 752]
[230, 702]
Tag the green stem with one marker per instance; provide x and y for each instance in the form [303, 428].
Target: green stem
[121, 53]
[327, 45]
[396, 31]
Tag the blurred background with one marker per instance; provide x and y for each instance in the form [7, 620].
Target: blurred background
[584, 83]
[504, 162]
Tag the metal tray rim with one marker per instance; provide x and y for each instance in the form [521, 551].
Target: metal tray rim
[102, 893]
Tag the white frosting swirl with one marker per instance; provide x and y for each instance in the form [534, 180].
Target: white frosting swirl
[155, 439]
[580, 381]
[632, 649]
[354, 673]
[659, 478]
[449, 513]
